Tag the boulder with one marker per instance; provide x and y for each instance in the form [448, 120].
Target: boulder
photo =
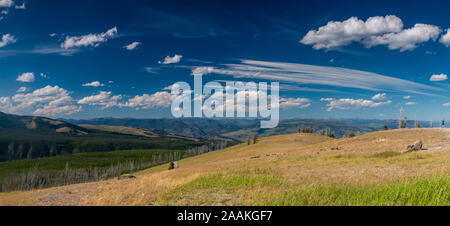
[126, 176]
[416, 146]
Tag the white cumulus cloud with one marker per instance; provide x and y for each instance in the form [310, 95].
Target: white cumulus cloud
[104, 99]
[337, 33]
[445, 39]
[22, 89]
[437, 78]
[94, 84]
[93, 40]
[202, 70]
[132, 46]
[380, 96]
[50, 100]
[6, 40]
[26, 77]
[374, 31]
[20, 6]
[6, 3]
[348, 103]
[171, 60]
[295, 102]
[146, 101]
[407, 39]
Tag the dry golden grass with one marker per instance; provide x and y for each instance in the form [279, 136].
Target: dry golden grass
[260, 174]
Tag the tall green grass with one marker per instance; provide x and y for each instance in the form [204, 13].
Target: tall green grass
[434, 191]
[271, 190]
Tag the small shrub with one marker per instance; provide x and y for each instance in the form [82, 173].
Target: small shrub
[307, 129]
[352, 134]
[171, 165]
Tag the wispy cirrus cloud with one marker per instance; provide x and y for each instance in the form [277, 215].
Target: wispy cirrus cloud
[39, 50]
[152, 70]
[320, 75]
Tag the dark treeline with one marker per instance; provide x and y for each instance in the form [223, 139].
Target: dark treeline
[39, 176]
[29, 148]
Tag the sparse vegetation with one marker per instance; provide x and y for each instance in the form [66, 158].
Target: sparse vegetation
[386, 127]
[255, 139]
[83, 167]
[386, 154]
[307, 129]
[352, 134]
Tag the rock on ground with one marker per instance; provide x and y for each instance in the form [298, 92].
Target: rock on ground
[416, 146]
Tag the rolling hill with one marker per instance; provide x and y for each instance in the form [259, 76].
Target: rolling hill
[295, 169]
[37, 137]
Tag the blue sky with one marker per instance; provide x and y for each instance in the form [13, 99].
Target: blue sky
[333, 59]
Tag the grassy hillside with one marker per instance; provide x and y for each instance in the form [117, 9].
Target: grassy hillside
[28, 137]
[135, 131]
[296, 169]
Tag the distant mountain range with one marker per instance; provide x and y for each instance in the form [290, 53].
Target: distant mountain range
[241, 129]
[188, 127]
